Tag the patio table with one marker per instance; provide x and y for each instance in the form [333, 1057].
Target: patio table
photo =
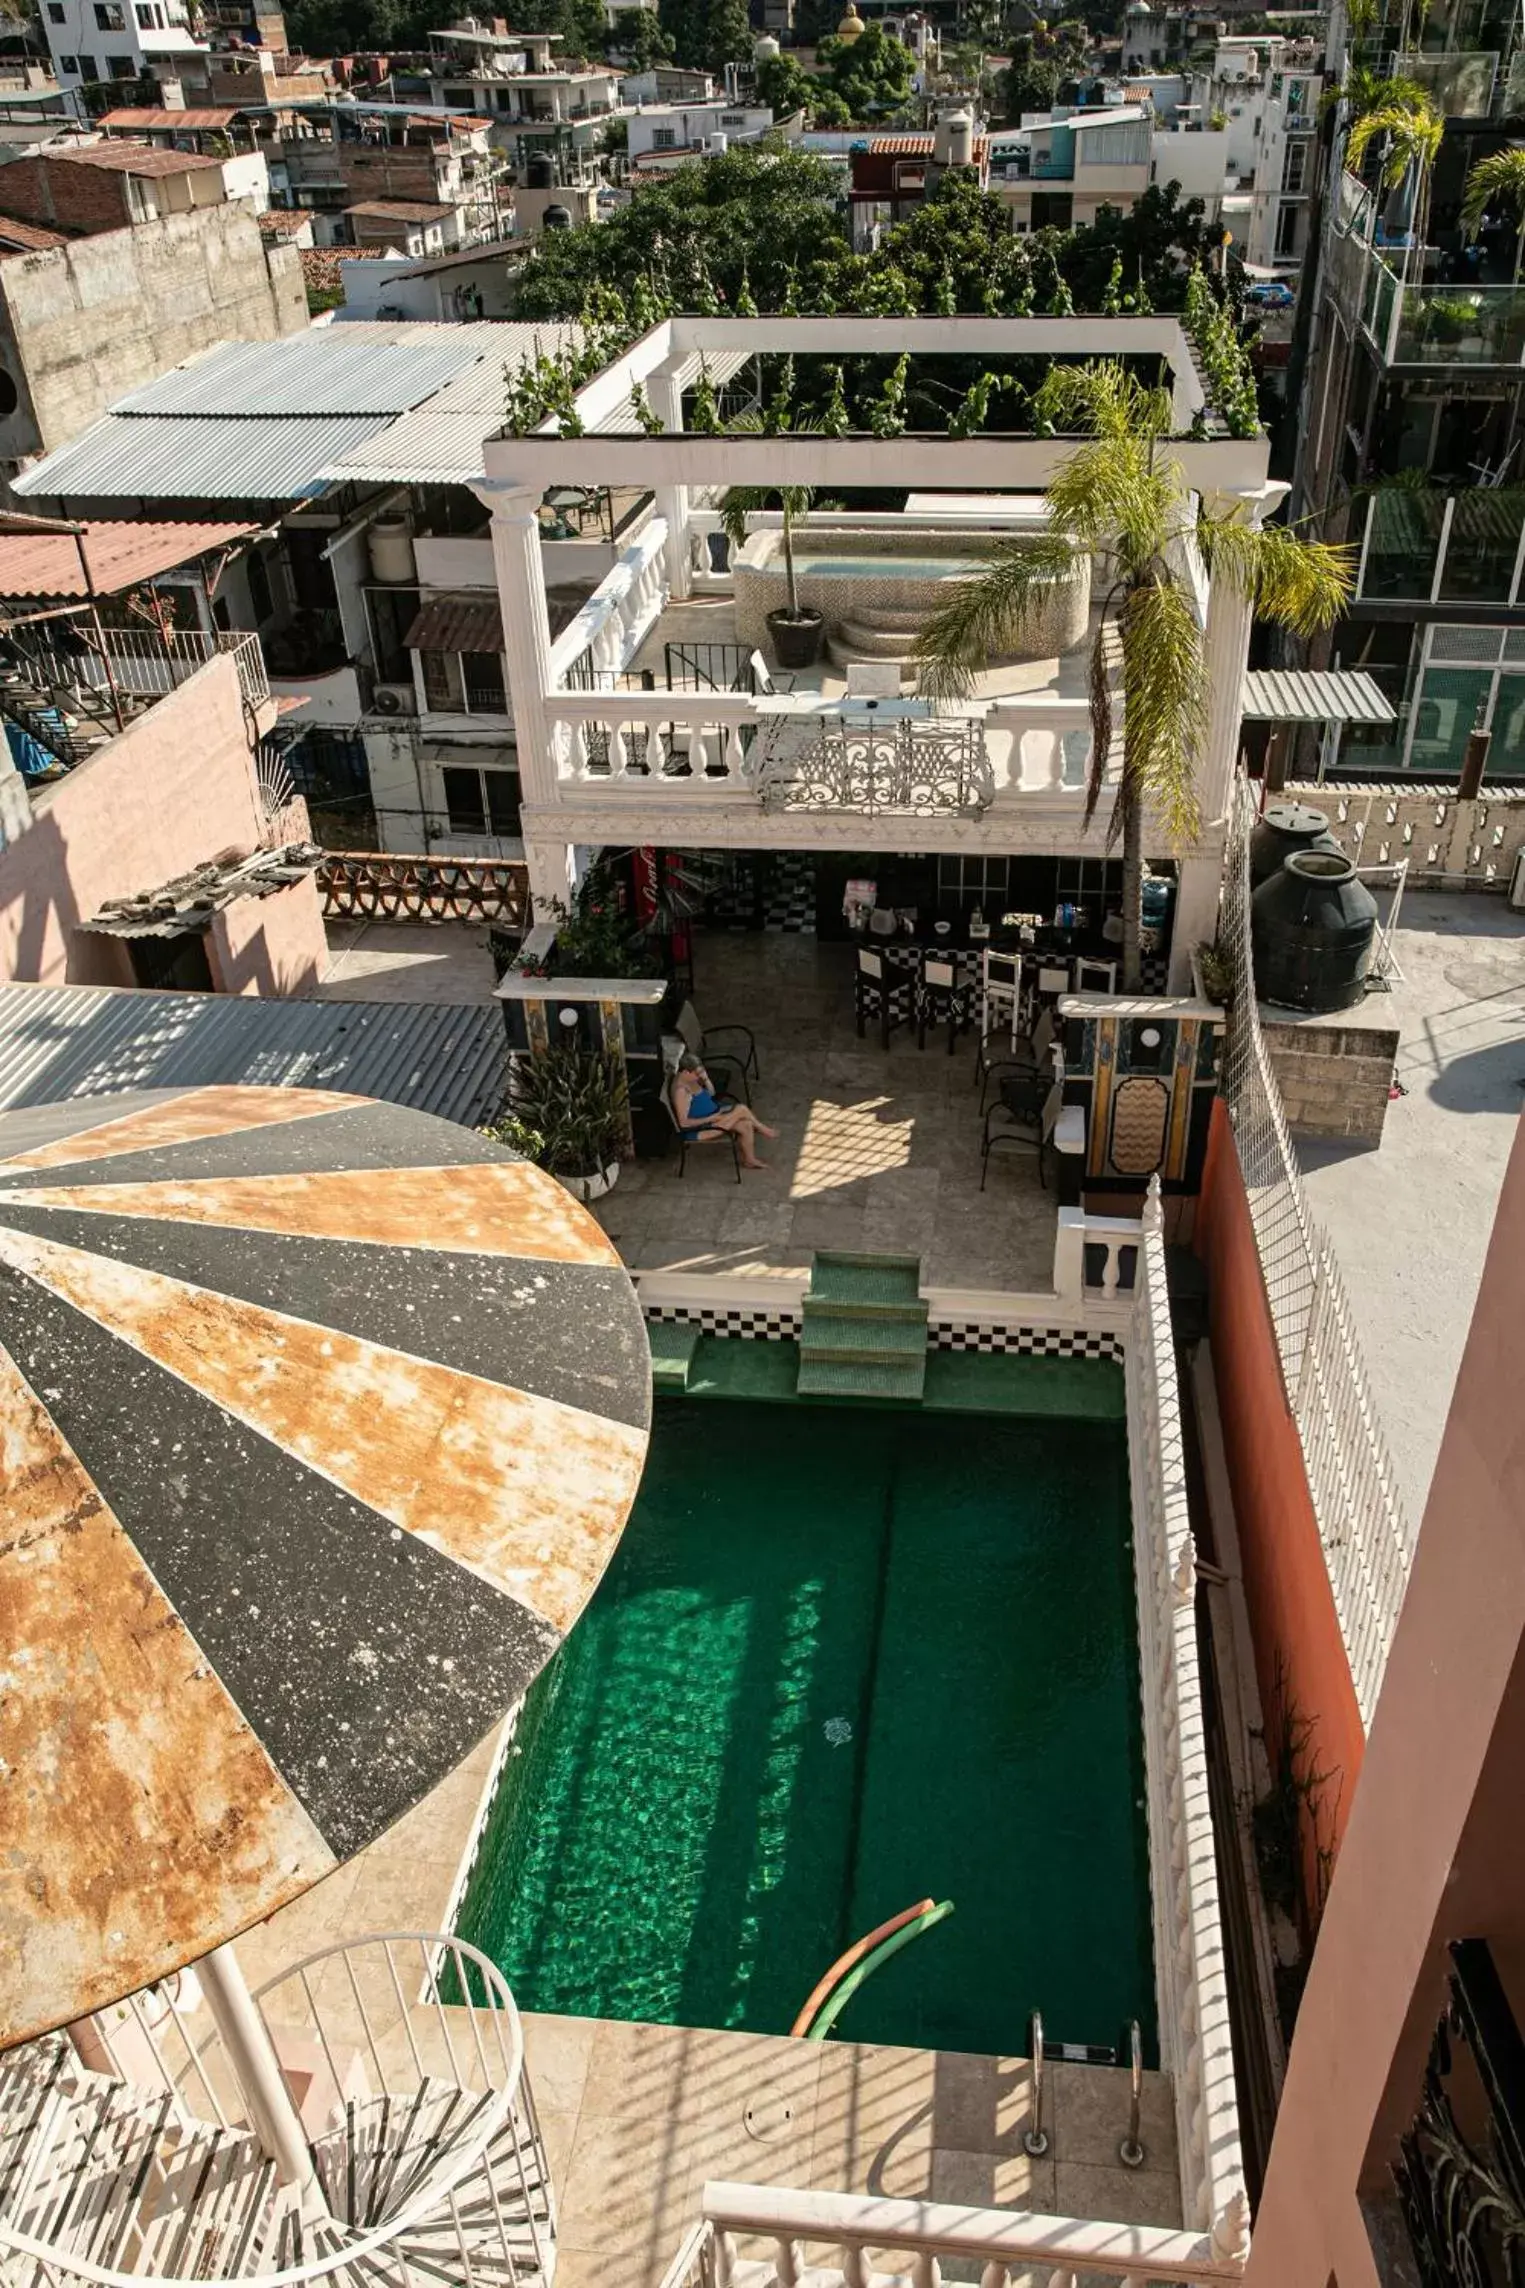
[322, 1419]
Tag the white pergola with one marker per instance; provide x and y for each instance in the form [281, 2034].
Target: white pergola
[614, 450]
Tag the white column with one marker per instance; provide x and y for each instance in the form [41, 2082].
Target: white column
[526, 630]
[666, 401]
[256, 2068]
[1226, 648]
[1196, 914]
[550, 868]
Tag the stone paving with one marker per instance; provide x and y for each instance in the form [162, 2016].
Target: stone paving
[878, 1149]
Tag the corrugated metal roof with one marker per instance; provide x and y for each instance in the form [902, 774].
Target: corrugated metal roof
[35, 564]
[196, 460]
[357, 368]
[66, 1041]
[440, 443]
[1302, 695]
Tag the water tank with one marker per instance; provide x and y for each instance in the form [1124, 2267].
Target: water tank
[391, 550]
[539, 173]
[556, 218]
[961, 140]
[718, 143]
[1311, 931]
[1283, 828]
[766, 49]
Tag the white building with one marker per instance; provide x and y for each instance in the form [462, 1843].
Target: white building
[1265, 91]
[93, 40]
[694, 128]
[1059, 167]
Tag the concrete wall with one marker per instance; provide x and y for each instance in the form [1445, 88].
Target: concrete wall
[1435, 1847]
[1334, 1079]
[1300, 1658]
[176, 789]
[83, 324]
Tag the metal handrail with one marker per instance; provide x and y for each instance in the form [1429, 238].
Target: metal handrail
[425, 2203]
[1131, 2152]
[1035, 2140]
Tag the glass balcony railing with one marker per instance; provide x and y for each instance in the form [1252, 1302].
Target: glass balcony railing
[1451, 325]
[1459, 547]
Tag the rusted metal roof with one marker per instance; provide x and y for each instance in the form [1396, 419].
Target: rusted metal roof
[125, 158]
[189, 902]
[152, 119]
[365, 1518]
[457, 623]
[117, 555]
[402, 210]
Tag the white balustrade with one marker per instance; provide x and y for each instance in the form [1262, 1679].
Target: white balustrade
[1091, 1256]
[640, 738]
[854, 2228]
[618, 616]
[1050, 742]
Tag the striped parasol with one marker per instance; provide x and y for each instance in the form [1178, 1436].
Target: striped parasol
[320, 1420]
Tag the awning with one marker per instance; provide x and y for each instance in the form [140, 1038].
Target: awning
[457, 623]
[1301, 695]
[36, 563]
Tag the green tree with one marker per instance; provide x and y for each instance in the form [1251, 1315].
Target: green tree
[786, 87]
[872, 74]
[727, 35]
[639, 40]
[1497, 181]
[1120, 504]
[1409, 133]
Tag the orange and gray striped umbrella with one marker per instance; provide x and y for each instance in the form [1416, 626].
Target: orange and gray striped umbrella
[320, 1419]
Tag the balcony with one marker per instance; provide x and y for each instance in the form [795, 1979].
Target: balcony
[66, 693]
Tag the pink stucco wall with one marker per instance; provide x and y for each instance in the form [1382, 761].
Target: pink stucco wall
[176, 789]
[269, 945]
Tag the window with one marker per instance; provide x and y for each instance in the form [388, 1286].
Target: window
[664, 139]
[1295, 172]
[442, 682]
[483, 671]
[69, 67]
[733, 119]
[123, 67]
[149, 18]
[109, 17]
[87, 70]
[55, 12]
[482, 802]
[1286, 232]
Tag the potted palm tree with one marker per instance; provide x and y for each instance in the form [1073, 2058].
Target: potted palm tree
[1121, 500]
[569, 1112]
[797, 630]
[1497, 181]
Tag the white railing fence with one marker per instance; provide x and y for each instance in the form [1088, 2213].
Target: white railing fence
[142, 664]
[878, 2239]
[641, 736]
[1196, 2035]
[1367, 1539]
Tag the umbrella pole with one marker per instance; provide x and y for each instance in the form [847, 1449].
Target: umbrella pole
[257, 2070]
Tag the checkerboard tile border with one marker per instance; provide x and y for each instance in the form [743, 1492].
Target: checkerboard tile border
[783, 1325]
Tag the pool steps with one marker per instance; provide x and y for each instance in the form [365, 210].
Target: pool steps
[864, 1332]
[672, 1352]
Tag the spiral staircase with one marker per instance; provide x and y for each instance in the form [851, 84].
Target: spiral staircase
[426, 2162]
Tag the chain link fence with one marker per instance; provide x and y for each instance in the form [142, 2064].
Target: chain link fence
[1366, 1535]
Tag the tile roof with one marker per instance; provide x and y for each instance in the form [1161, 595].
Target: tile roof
[124, 158]
[26, 237]
[457, 623]
[45, 564]
[284, 222]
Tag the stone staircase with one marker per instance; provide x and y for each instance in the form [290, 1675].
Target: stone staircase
[865, 1328]
[883, 632]
[673, 1345]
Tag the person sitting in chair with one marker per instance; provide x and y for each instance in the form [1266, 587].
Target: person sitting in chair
[697, 1105]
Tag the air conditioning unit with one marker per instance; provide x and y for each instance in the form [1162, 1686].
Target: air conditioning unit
[395, 699]
[1517, 883]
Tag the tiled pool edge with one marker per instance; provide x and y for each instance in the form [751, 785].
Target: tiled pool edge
[959, 1319]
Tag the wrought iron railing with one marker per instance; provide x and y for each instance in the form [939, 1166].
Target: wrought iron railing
[1461, 2175]
[1365, 1533]
[381, 885]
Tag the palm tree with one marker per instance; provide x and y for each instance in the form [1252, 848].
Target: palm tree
[1120, 504]
[1414, 130]
[1498, 180]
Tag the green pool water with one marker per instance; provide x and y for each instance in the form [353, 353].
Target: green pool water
[843, 1659]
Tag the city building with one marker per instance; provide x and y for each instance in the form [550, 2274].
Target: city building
[102, 185]
[86, 322]
[333, 158]
[690, 130]
[539, 105]
[476, 282]
[1057, 172]
[889, 175]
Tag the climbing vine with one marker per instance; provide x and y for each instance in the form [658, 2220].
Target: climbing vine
[1222, 357]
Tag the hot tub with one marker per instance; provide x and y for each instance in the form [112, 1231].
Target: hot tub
[891, 581]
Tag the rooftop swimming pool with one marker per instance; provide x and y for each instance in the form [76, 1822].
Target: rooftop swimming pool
[845, 1658]
[887, 566]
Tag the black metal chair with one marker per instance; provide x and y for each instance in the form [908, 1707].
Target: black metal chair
[1028, 1053]
[1029, 1128]
[941, 998]
[704, 1042]
[690, 1136]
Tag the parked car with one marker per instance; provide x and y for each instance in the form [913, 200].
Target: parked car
[1269, 294]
